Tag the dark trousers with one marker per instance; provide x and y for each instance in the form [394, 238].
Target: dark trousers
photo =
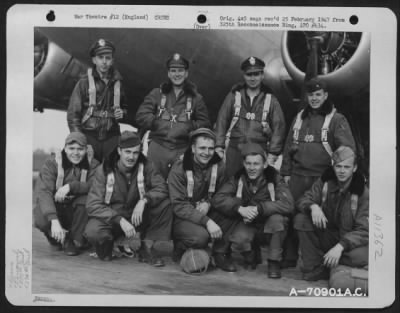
[72, 218]
[187, 234]
[315, 242]
[273, 233]
[234, 160]
[162, 157]
[156, 226]
[298, 185]
[102, 148]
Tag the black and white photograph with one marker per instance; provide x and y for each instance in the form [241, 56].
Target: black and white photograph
[236, 153]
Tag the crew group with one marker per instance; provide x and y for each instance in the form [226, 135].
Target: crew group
[223, 193]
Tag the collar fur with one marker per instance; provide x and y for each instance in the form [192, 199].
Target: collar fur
[187, 161]
[324, 110]
[66, 164]
[110, 163]
[270, 174]
[189, 88]
[241, 86]
[357, 184]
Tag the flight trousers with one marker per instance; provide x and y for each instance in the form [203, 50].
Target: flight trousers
[163, 157]
[72, 218]
[315, 242]
[102, 148]
[272, 232]
[187, 234]
[156, 226]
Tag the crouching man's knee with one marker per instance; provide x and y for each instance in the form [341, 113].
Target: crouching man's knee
[303, 222]
[95, 232]
[276, 223]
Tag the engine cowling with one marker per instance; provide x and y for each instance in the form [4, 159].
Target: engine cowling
[343, 59]
[56, 73]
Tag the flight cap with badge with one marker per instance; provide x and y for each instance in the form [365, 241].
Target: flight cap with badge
[341, 154]
[101, 46]
[252, 65]
[205, 132]
[77, 137]
[129, 139]
[252, 148]
[315, 84]
[177, 61]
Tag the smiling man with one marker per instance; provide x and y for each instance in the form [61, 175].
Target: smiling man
[61, 190]
[192, 182]
[249, 113]
[98, 103]
[128, 196]
[258, 199]
[333, 223]
[170, 113]
[316, 131]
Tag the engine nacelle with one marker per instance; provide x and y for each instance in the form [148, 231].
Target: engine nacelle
[343, 59]
[56, 73]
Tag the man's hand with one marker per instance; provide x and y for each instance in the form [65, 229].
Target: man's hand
[57, 232]
[249, 213]
[214, 230]
[332, 257]
[220, 151]
[62, 193]
[271, 159]
[286, 179]
[203, 207]
[118, 114]
[127, 228]
[318, 217]
[137, 214]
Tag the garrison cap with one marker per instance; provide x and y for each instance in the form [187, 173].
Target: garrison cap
[77, 137]
[202, 132]
[177, 61]
[315, 84]
[341, 154]
[129, 139]
[252, 65]
[253, 148]
[101, 46]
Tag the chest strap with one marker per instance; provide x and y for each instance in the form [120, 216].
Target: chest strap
[270, 186]
[353, 199]
[236, 106]
[162, 108]
[61, 173]
[111, 181]
[324, 130]
[140, 181]
[211, 187]
[267, 106]
[92, 95]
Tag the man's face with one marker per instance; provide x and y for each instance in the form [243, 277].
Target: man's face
[203, 149]
[75, 152]
[254, 166]
[129, 156]
[177, 75]
[103, 62]
[253, 80]
[317, 98]
[344, 170]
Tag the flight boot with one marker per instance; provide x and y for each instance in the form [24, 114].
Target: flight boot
[147, 255]
[104, 250]
[224, 262]
[274, 269]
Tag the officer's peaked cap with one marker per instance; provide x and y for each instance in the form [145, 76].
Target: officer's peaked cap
[252, 65]
[177, 60]
[101, 46]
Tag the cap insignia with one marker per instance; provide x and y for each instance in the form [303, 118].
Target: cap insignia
[176, 56]
[252, 61]
[101, 42]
